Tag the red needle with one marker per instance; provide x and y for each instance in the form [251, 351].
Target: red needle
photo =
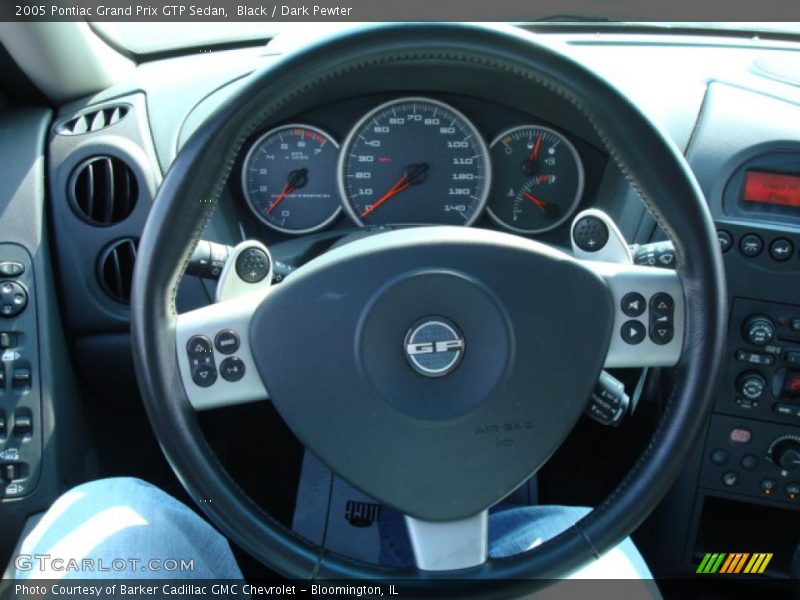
[536, 146]
[398, 187]
[540, 203]
[287, 189]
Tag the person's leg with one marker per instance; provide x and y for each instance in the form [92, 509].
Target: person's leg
[123, 520]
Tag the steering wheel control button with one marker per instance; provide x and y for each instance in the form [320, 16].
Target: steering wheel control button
[226, 341]
[662, 327]
[11, 268]
[662, 304]
[590, 234]
[633, 332]
[759, 330]
[725, 240]
[719, 457]
[749, 462]
[662, 333]
[434, 346]
[232, 369]
[740, 435]
[252, 265]
[13, 299]
[633, 304]
[730, 479]
[204, 375]
[751, 245]
[781, 249]
[199, 346]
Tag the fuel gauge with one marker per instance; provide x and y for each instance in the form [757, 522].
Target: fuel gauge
[538, 179]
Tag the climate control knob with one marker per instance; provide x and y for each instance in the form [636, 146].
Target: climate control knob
[759, 330]
[751, 385]
[785, 452]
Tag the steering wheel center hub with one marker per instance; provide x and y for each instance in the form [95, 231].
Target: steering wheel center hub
[434, 346]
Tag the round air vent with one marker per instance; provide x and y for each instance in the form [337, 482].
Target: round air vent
[115, 269]
[103, 190]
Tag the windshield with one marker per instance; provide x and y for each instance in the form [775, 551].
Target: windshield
[153, 37]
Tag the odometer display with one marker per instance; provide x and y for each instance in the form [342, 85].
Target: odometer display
[289, 178]
[414, 161]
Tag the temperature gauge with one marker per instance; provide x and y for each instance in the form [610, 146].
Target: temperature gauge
[538, 179]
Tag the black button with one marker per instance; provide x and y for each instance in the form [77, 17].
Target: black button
[767, 486]
[232, 368]
[792, 490]
[730, 479]
[227, 341]
[8, 339]
[749, 462]
[751, 245]
[633, 332]
[11, 268]
[10, 472]
[204, 375]
[590, 234]
[755, 358]
[781, 249]
[662, 333]
[199, 346]
[23, 424]
[13, 299]
[21, 377]
[725, 240]
[252, 265]
[793, 358]
[787, 410]
[794, 325]
[662, 304]
[719, 457]
[633, 304]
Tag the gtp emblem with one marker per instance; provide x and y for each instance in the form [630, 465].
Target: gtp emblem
[434, 346]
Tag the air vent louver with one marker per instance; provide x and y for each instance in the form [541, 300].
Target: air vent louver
[115, 269]
[103, 190]
[94, 120]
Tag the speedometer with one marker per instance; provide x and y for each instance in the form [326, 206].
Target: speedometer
[414, 161]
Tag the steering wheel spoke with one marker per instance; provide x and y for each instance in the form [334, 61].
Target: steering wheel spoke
[449, 545]
[214, 355]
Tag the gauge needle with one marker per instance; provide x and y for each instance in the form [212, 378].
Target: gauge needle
[540, 203]
[414, 174]
[536, 146]
[550, 210]
[297, 179]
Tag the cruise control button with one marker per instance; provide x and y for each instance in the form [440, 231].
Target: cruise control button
[227, 341]
[751, 245]
[633, 304]
[662, 304]
[633, 332]
[232, 368]
[199, 346]
[662, 333]
[781, 249]
[204, 375]
[725, 240]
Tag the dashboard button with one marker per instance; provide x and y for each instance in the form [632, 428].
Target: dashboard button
[755, 358]
[749, 462]
[199, 346]
[8, 339]
[751, 385]
[767, 486]
[792, 490]
[759, 330]
[781, 249]
[633, 304]
[793, 359]
[11, 268]
[751, 245]
[725, 240]
[730, 479]
[633, 332]
[740, 435]
[719, 457]
[232, 368]
[794, 325]
[227, 341]
[13, 299]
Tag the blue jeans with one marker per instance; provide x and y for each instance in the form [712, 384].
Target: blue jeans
[127, 528]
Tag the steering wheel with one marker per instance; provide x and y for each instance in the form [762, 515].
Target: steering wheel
[531, 328]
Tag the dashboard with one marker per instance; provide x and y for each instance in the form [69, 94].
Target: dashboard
[388, 160]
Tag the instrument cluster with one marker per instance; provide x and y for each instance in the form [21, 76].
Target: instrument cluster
[413, 161]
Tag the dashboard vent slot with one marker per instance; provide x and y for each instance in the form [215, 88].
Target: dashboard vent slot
[94, 120]
[103, 190]
[115, 269]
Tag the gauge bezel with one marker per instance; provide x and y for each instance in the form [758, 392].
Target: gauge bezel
[483, 148]
[248, 200]
[578, 193]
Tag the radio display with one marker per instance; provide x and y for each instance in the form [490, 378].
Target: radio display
[775, 189]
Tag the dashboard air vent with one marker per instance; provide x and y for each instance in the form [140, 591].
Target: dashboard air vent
[103, 190]
[115, 269]
[94, 120]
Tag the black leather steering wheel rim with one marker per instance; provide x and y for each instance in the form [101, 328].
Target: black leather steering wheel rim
[195, 182]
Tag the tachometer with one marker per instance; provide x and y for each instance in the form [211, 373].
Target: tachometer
[414, 161]
[289, 179]
[538, 179]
